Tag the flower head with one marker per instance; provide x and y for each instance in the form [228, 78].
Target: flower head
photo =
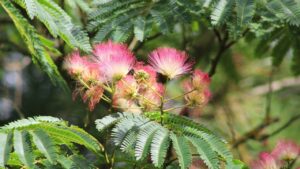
[197, 88]
[126, 105]
[75, 64]
[151, 97]
[127, 88]
[144, 73]
[265, 161]
[200, 79]
[93, 95]
[114, 59]
[286, 150]
[170, 62]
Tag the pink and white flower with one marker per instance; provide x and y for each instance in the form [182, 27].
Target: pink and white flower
[93, 96]
[127, 88]
[197, 88]
[75, 64]
[286, 150]
[151, 97]
[200, 79]
[115, 60]
[126, 106]
[144, 73]
[265, 161]
[170, 62]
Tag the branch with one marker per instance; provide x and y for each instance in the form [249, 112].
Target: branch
[224, 46]
[284, 126]
[253, 134]
[140, 45]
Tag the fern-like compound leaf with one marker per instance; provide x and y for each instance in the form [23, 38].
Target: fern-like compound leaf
[23, 148]
[245, 11]
[159, 147]
[221, 12]
[5, 147]
[35, 46]
[45, 144]
[182, 150]
[144, 140]
[210, 158]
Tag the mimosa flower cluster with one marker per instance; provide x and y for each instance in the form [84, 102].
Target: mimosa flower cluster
[283, 155]
[113, 74]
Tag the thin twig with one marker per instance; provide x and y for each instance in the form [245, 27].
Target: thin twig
[224, 46]
[140, 45]
[252, 134]
[284, 126]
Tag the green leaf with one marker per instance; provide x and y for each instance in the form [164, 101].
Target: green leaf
[139, 28]
[23, 148]
[159, 147]
[45, 144]
[221, 12]
[245, 11]
[236, 164]
[108, 121]
[209, 157]
[296, 58]
[280, 50]
[58, 22]
[144, 140]
[218, 146]
[36, 48]
[182, 150]
[5, 147]
[288, 10]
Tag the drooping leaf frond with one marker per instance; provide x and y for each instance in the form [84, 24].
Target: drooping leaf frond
[151, 134]
[5, 148]
[182, 149]
[43, 134]
[23, 148]
[39, 54]
[221, 12]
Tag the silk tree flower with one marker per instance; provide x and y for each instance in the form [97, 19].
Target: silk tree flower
[170, 62]
[150, 98]
[197, 89]
[200, 79]
[144, 73]
[93, 96]
[115, 60]
[196, 97]
[265, 161]
[75, 64]
[127, 88]
[286, 150]
[126, 105]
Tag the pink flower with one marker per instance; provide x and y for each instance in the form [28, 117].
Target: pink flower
[197, 89]
[126, 105]
[265, 161]
[170, 62]
[75, 65]
[82, 69]
[286, 150]
[113, 59]
[151, 97]
[196, 98]
[200, 79]
[127, 88]
[144, 73]
[93, 96]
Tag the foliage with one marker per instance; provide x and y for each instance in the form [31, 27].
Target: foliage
[51, 28]
[153, 133]
[43, 141]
